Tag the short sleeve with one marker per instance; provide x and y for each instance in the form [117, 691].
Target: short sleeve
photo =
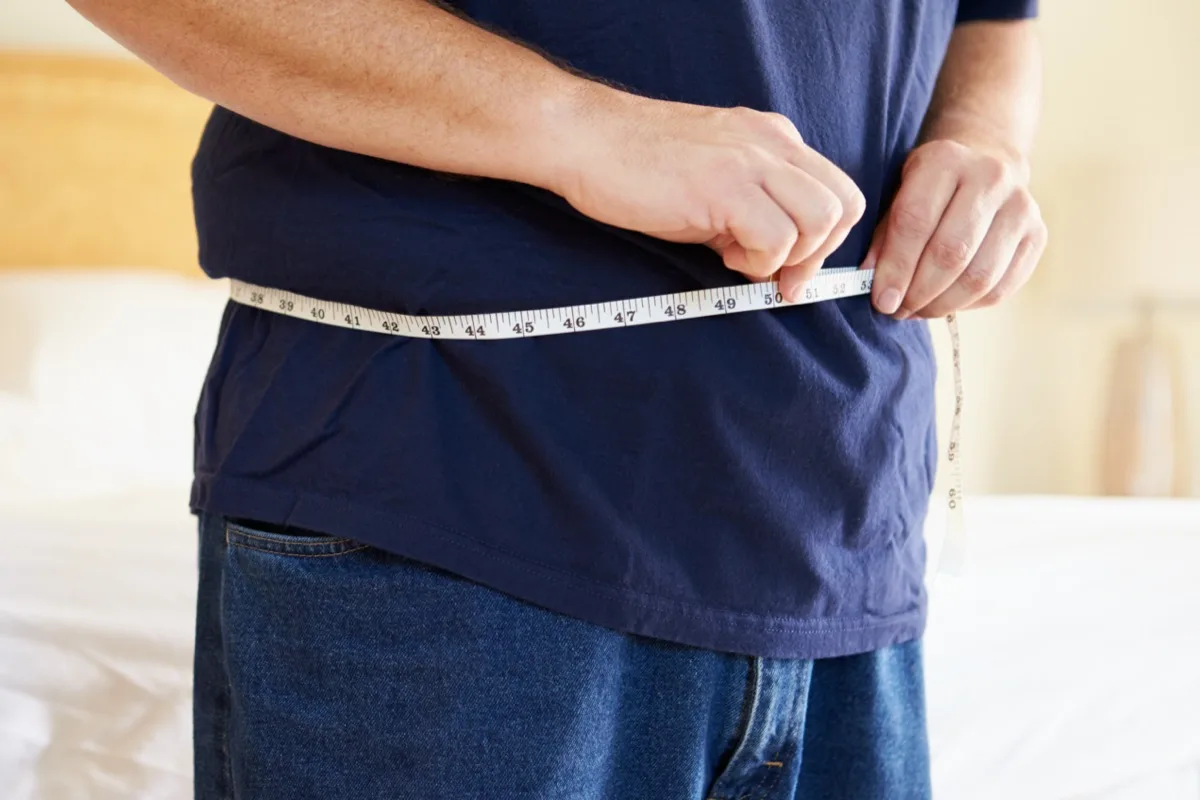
[975, 10]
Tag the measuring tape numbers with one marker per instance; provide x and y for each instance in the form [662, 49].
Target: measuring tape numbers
[827, 284]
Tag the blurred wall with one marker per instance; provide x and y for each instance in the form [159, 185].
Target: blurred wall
[50, 25]
[1121, 86]
[1122, 111]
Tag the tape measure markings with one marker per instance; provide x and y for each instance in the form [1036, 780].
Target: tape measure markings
[828, 284]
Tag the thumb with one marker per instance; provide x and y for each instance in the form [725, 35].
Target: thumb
[884, 304]
[872, 257]
[735, 257]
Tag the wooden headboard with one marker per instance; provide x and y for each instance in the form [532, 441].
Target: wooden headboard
[94, 164]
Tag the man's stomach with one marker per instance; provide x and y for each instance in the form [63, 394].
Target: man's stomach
[650, 453]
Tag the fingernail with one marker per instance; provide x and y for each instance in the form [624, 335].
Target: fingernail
[889, 301]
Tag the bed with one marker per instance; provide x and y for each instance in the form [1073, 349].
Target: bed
[1065, 664]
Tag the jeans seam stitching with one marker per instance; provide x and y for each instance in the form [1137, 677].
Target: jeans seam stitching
[750, 698]
[226, 761]
[241, 531]
[298, 555]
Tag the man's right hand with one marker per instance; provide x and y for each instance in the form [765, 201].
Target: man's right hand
[741, 181]
[408, 81]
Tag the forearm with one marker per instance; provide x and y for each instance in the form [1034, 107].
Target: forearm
[398, 79]
[407, 81]
[988, 94]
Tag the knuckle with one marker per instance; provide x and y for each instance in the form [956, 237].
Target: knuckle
[757, 260]
[855, 205]
[779, 121]
[737, 168]
[1041, 237]
[780, 244]
[1031, 248]
[774, 241]
[951, 253]
[992, 298]
[993, 173]
[911, 222]
[941, 150]
[744, 113]
[975, 281]
[778, 126]
[1022, 203]
[827, 212]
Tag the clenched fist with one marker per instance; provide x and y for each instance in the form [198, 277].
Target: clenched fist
[741, 181]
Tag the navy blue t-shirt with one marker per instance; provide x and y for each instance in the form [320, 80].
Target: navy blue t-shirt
[753, 483]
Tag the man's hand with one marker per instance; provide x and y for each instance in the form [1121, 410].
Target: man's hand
[741, 181]
[963, 232]
[408, 81]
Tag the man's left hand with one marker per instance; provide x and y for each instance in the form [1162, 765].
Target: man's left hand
[963, 232]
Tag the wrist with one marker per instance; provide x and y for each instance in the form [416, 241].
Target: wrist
[564, 132]
[982, 136]
[580, 132]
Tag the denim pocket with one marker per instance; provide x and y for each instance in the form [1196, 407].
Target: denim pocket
[296, 542]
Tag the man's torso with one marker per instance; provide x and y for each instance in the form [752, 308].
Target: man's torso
[752, 483]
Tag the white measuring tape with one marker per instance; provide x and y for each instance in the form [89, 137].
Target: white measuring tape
[828, 284]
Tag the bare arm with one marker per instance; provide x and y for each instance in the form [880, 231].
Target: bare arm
[408, 81]
[398, 79]
[963, 230]
[990, 90]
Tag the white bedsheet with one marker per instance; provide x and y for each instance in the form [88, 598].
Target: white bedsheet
[1066, 665]
[95, 649]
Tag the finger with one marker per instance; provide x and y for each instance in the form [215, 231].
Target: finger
[763, 234]
[725, 241]
[832, 242]
[853, 203]
[817, 213]
[761, 278]
[803, 272]
[1024, 262]
[911, 221]
[793, 276]
[813, 207]
[792, 280]
[969, 219]
[800, 269]
[872, 257]
[986, 269]
[792, 148]
[796, 275]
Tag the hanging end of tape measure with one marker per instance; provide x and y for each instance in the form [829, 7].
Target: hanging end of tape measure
[953, 558]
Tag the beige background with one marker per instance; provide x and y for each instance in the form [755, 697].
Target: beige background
[1117, 169]
[50, 24]
[1119, 132]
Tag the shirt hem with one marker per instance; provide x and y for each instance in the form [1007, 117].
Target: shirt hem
[617, 608]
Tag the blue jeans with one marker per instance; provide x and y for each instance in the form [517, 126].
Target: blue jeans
[330, 670]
